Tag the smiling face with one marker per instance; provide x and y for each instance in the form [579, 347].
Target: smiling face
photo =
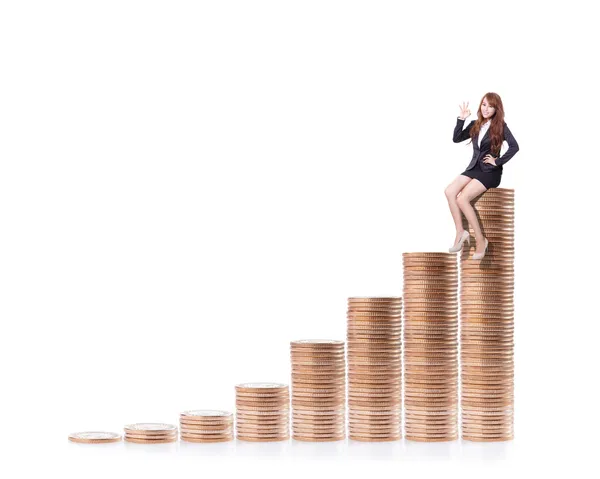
[486, 110]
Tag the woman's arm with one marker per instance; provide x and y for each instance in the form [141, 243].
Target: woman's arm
[513, 147]
[459, 133]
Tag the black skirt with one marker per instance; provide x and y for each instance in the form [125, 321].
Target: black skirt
[489, 179]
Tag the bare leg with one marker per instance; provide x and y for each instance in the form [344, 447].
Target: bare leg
[472, 190]
[452, 191]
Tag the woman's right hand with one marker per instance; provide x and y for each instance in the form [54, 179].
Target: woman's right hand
[464, 111]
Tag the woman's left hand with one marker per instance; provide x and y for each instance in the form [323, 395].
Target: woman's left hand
[490, 159]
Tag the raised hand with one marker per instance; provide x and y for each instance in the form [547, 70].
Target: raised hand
[464, 111]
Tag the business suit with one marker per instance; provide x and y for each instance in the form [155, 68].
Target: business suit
[488, 174]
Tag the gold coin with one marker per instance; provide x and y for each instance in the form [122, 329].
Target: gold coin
[261, 432]
[310, 439]
[254, 414]
[326, 343]
[202, 432]
[367, 307]
[371, 438]
[205, 426]
[207, 415]
[261, 439]
[382, 348]
[309, 420]
[261, 387]
[394, 331]
[154, 437]
[151, 428]
[94, 437]
[373, 315]
[206, 440]
[427, 254]
[150, 441]
[266, 396]
[322, 433]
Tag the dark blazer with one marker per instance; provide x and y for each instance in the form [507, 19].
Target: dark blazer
[479, 151]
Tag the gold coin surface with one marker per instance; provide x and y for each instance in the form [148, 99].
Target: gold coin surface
[94, 437]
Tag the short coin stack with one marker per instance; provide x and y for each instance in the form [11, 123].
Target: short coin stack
[94, 437]
[262, 412]
[150, 433]
[318, 390]
[375, 368]
[430, 346]
[206, 425]
[487, 323]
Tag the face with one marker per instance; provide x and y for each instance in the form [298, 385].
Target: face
[486, 110]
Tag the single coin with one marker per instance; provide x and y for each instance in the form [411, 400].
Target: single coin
[263, 439]
[374, 438]
[245, 396]
[317, 342]
[207, 414]
[427, 254]
[374, 299]
[206, 440]
[151, 428]
[310, 439]
[262, 386]
[204, 427]
[150, 437]
[205, 431]
[151, 441]
[94, 437]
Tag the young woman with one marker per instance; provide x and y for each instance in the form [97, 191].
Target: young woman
[487, 134]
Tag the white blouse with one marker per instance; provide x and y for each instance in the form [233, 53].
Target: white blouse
[483, 130]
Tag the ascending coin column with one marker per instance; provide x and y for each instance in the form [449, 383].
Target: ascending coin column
[151, 433]
[262, 412]
[318, 390]
[375, 368]
[206, 425]
[430, 346]
[487, 323]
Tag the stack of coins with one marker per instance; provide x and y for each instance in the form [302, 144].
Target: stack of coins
[375, 368]
[94, 437]
[487, 323]
[150, 433]
[318, 390]
[206, 426]
[430, 346]
[262, 412]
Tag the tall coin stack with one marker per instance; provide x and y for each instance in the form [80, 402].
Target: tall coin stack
[150, 433]
[206, 425]
[430, 346]
[318, 390]
[375, 368]
[262, 412]
[487, 323]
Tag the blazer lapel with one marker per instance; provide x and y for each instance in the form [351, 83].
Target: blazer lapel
[487, 133]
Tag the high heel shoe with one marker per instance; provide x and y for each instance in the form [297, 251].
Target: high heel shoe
[481, 255]
[458, 246]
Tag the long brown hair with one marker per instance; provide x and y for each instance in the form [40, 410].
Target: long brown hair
[497, 122]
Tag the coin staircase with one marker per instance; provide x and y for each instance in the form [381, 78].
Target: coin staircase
[444, 349]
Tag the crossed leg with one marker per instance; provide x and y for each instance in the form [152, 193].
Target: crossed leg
[473, 189]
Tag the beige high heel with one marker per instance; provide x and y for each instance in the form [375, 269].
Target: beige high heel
[481, 255]
[458, 246]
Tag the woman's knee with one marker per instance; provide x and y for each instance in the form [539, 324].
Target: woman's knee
[450, 192]
[463, 200]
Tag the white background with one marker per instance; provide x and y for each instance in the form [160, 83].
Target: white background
[186, 187]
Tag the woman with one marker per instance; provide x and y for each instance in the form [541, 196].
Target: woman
[485, 170]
